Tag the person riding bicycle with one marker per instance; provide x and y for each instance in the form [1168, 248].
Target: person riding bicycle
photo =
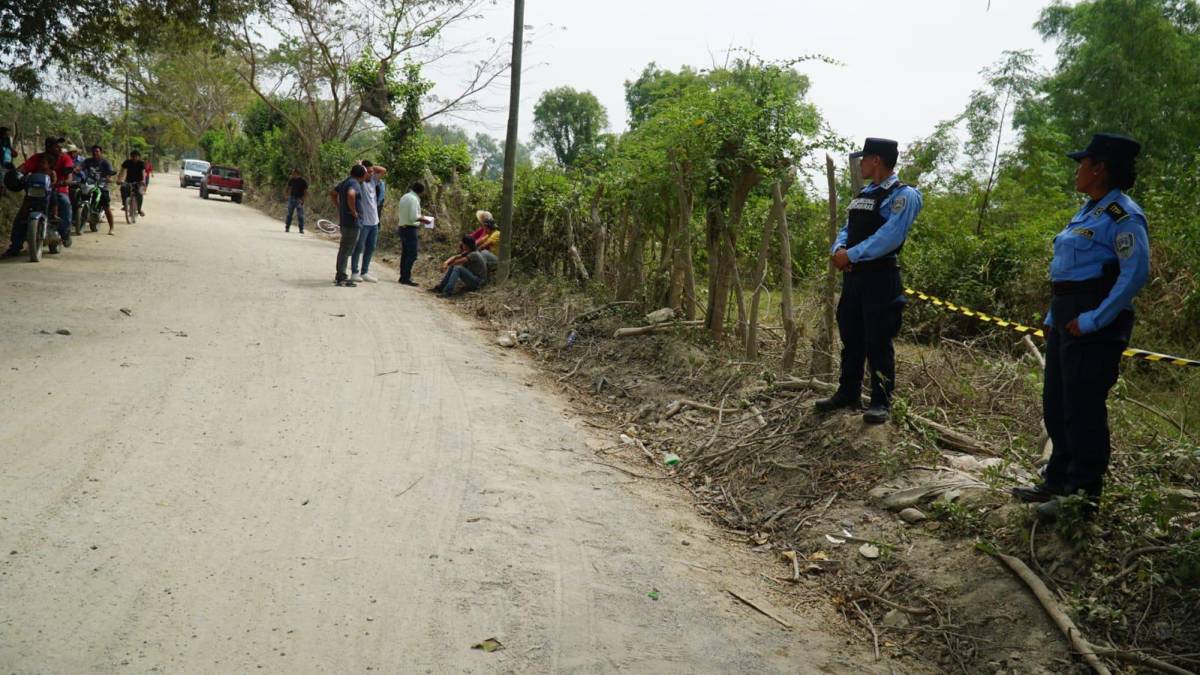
[39, 197]
[60, 167]
[99, 172]
[133, 172]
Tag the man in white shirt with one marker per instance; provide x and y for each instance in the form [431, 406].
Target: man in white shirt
[368, 231]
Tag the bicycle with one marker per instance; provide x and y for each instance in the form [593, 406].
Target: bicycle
[131, 190]
[327, 226]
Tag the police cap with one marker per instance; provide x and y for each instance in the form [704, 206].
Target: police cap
[1110, 146]
[884, 147]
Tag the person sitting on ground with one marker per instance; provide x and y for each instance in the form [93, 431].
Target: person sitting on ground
[469, 267]
[490, 241]
[487, 237]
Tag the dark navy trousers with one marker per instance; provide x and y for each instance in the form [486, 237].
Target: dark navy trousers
[868, 316]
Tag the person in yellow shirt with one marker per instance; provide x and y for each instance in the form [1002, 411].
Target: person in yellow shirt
[490, 241]
[487, 237]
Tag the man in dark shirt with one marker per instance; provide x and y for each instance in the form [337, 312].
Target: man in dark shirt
[349, 204]
[297, 189]
[98, 171]
[469, 267]
[133, 173]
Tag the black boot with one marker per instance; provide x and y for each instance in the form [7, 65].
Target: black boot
[1042, 492]
[877, 414]
[838, 401]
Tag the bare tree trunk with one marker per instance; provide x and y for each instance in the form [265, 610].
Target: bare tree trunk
[601, 232]
[683, 238]
[785, 254]
[822, 351]
[576, 259]
[739, 291]
[759, 279]
[633, 267]
[987, 193]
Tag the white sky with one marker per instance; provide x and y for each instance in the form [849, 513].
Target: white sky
[907, 64]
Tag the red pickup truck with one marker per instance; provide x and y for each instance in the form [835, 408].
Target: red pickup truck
[222, 180]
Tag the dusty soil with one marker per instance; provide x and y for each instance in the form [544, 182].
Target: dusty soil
[253, 469]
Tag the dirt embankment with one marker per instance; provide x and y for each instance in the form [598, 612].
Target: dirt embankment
[890, 526]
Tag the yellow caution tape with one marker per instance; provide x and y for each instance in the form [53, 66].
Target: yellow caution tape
[1012, 325]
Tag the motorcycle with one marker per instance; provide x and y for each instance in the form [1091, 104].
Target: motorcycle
[89, 211]
[39, 233]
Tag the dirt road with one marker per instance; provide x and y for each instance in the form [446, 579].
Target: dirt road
[253, 469]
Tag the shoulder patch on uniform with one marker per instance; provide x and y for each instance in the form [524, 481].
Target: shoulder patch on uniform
[1084, 232]
[899, 203]
[1114, 209]
[1124, 244]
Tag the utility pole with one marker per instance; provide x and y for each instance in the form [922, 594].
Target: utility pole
[510, 143]
[126, 124]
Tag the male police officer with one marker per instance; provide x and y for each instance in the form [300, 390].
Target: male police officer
[1101, 261]
[872, 301]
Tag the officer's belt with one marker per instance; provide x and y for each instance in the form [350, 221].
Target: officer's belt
[877, 264]
[1098, 286]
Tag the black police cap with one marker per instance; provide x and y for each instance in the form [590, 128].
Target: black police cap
[1111, 146]
[878, 146]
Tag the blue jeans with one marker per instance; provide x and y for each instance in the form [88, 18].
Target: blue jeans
[456, 274]
[368, 236]
[408, 254]
[64, 215]
[295, 205]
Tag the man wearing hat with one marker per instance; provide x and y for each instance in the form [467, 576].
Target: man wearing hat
[63, 167]
[1101, 261]
[866, 251]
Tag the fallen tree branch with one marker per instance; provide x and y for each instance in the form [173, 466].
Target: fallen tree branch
[654, 328]
[951, 437]
[1034, 351]
[1078, 642]
[1139, 659]
[761, 610]
[679, 406]
[591, 314]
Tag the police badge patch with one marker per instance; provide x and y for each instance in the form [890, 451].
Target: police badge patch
[898, 204]
[1124, 245]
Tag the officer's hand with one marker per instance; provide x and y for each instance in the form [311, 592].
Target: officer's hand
[1073, 328]
[841, 259]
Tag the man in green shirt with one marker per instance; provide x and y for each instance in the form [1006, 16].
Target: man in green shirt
[410, 223]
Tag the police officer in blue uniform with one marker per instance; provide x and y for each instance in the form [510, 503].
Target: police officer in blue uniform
[1101, 261]
[872, 302]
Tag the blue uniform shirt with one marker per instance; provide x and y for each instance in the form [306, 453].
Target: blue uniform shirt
[1099, 234]
[901, 209]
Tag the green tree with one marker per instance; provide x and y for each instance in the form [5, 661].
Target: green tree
[1127, 66]
[87, 35]
[568, 123]
[988, 114]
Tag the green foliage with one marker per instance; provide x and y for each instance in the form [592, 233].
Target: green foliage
[568, 123]
[1129, 67]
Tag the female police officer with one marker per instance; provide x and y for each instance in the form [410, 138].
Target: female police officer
[1101, 261]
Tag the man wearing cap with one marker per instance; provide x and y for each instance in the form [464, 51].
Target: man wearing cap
[870, 309]
[1101, 261]
[63, 167]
